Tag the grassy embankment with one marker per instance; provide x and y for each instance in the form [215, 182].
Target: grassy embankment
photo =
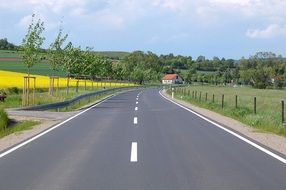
[267, 118]
[6, 129]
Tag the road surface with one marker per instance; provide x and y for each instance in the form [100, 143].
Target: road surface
[139, 141]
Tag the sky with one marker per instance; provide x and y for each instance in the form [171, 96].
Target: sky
[223, 28]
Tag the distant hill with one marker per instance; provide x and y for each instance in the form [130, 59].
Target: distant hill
[118, 55]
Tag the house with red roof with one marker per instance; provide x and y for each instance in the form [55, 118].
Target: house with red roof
[172, 79]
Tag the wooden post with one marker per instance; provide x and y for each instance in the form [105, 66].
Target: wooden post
[77, 85]
[213, 97]
[206, 96]
[282, 112]
[236, 97]
[68, 84]
[58, 86]
[222, 101]
[254, 105]
[200, 96]
[34, 90]
[195, 94]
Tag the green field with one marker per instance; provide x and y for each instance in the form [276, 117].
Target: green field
[110, 54]
[7, 53]
[37, 69]
[267, 118]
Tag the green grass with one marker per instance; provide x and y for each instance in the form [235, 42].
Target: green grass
[268, 117]
[42, 97]
[3, 119]
[18, 127]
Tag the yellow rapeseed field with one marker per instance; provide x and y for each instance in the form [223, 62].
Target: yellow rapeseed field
[13, 79]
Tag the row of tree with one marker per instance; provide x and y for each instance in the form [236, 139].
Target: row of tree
[64, 56]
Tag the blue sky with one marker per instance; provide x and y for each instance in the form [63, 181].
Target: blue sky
[224, 28]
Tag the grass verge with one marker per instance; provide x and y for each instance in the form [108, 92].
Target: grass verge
[266, 119]
[18, 127]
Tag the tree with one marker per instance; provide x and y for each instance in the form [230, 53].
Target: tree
[56, 52]
[261, 69]
[32, 43]
[5, 45]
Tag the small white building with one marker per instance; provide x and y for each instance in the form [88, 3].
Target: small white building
[172, 79]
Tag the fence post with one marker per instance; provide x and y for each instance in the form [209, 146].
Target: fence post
[213, 98]
[200, 96]
[254, 105]
[236, 101]
[222, 101]
[282, 112]
[192, 94]
[196, 95]
[206, 96]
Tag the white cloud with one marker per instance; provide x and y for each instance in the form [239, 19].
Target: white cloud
[120, 13]
[271, 31]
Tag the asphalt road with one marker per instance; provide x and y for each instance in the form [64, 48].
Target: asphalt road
[158, 146]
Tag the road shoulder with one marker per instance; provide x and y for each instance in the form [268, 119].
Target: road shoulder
[274, 142]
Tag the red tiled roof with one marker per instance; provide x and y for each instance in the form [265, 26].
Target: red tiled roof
[169, 76]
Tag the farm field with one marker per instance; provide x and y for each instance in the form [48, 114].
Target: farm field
[268, 104]
[111, 54]
[13, 79]
[9, 54]
[37, 69]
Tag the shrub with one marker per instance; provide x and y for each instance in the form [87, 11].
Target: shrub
[13, 90]
[3, 119]
[2, 92]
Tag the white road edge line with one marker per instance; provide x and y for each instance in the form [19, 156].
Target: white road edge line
[49, 130]
[230, 132]
[135, 120]
[136, 108]
[133, 156]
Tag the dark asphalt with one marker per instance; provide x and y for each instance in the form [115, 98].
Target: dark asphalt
[176, 151]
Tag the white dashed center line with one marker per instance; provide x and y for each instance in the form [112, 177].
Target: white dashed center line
[133, 156]
[135, 120]
[136, 108]
[136, 102]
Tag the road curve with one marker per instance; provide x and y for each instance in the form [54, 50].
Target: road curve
[139, 140]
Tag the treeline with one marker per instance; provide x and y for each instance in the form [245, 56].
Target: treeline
[5, 45]
[263, 70]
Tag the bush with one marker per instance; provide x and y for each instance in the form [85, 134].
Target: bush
[13, 90]
[3, 119]
[2, 92]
